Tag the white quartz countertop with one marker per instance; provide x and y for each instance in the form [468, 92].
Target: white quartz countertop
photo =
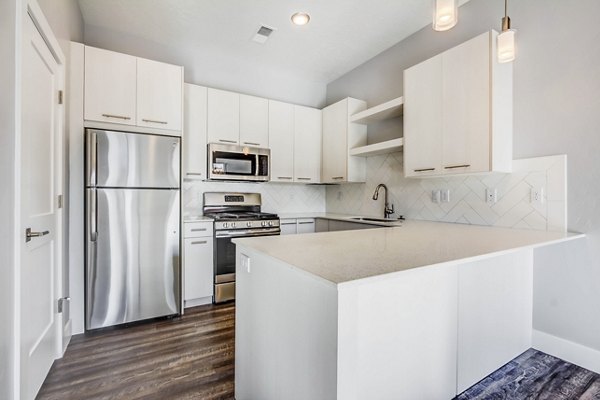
[345, 256]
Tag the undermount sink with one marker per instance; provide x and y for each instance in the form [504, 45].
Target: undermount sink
[372, 219]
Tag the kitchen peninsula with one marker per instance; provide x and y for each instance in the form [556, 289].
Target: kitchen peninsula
[422, 311]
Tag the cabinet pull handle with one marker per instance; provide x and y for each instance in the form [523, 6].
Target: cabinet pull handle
[153, 121]
[194, 173]
[116, 116]
[302, 223]
[337, 177]
[458, 166]
[424, 169]
[252, 144]
[200, 242]
[199, 230]
[284, 177]
[227, 141]
[304, 179]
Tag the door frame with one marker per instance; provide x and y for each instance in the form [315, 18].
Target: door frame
[31, 9]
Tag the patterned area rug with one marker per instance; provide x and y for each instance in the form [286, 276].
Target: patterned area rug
[539, 376]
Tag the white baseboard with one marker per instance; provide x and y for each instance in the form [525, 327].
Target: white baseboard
[572, 352]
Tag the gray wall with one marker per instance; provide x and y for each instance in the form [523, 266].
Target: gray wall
[64, 17]
[556, 111]
[259, 81]
[7, 170]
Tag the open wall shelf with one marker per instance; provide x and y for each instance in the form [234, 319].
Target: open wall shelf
[389, 146]
[387, 110]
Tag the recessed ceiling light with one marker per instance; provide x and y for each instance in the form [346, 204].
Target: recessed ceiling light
[300, 18]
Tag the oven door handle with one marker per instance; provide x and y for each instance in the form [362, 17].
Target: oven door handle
[246, 233]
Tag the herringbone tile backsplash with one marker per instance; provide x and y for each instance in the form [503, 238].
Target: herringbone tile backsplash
[412, 197]
[276, 197]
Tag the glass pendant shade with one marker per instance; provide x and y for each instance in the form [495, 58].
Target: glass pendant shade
[506, 46]
[445, 14]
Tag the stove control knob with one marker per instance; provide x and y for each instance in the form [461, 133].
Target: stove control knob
[249, 224]
[263, 223]
[233, 224]
[270, 223]
[224, 224]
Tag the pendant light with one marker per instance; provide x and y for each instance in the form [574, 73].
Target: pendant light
[445, 14]
[506, 39]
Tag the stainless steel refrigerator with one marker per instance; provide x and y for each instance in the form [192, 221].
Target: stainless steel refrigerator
[132, 227]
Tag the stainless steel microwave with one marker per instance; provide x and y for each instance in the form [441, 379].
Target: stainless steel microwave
[227, 162]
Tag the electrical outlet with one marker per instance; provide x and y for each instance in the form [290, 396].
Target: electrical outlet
[436, 196]
[446, 196]
[491, 196]
[537, 195]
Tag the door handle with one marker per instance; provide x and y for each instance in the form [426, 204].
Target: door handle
[29, 234]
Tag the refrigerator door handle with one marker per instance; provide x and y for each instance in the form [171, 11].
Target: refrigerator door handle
[91, 157]
[93, 214]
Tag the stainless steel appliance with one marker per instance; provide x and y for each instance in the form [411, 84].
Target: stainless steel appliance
[132, 227]
[238, 163]
[236, 215]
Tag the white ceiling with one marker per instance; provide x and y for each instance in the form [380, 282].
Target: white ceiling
[341, 35]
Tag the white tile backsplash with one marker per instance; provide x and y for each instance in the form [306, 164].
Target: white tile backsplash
[412, 197]
[276, 197]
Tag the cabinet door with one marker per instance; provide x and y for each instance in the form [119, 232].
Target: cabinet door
[423, 118]
[495, 299]
[308, 125]
[110, 86]
[288, 226]
[194, 132]
[159, 95]
[281, 141]
[335, 145]
[198, 267]
[306, 225]
[254, 121]
[223, 117]
[466, 105]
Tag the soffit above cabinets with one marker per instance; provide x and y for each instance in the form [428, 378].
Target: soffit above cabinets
[341, 35]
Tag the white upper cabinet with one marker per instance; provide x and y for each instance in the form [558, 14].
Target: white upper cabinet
[159, 95]
[123, 89]
[223, 117]
[308, 123]
[458, 112]
[339, 136]
[254, 121]
[194, 132]
[423, 116]
[110, 87]
[281, 141]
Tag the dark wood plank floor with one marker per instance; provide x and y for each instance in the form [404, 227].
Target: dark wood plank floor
[191, 357]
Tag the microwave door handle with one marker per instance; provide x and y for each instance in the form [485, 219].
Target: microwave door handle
[257, 163]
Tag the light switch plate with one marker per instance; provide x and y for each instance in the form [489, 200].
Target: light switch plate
[491, 196]
[446, 196]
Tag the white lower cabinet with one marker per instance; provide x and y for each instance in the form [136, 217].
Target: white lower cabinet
[305, 225]
[292, 226]
[198, 263]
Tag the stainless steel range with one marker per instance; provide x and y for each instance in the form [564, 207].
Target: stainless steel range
[236, 215]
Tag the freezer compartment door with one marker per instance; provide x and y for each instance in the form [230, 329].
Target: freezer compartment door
[133, 258]
[119, 159]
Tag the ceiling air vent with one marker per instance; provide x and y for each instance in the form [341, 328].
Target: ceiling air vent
[262, 34]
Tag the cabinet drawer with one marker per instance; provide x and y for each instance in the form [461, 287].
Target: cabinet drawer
[197, 229]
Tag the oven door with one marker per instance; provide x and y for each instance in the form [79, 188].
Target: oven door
[225, 260]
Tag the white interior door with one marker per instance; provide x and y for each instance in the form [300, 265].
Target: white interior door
[40, 185]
